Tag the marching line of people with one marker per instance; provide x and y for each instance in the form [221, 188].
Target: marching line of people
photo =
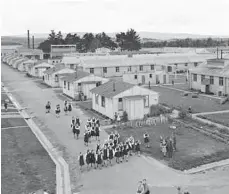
[112, 149]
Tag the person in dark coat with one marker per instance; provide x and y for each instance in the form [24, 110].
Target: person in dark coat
[105, 156]
[99, 159]
[110, 154]
[137, 147]
[69, 107]
[92, 159]
[81, 160]
[174, 142]
[146, 187]
[88, 158]
[170, 148]
[66, 106]
[146, 139]
[48, 107]
[58, 111]
[86, 138]
[97, 131]
[77, 130]
[117, 154]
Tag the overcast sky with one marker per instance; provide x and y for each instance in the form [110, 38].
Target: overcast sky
[207, 17]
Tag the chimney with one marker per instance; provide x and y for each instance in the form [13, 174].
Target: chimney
[221, 54]
[217, 53]
[114, 87]
[28, 39]
[33, 41]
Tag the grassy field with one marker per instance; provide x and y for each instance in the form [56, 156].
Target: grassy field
[218, 118]
[193, 148]
[26, 166]
[175, 98]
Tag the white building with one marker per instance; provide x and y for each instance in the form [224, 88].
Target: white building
[60, 50]
[9, 49]
[24, 66]
[117, 97]
[81, 82]
[211, 77]
[37, 70]
[55, 60]
[52, 76]
[156, 77]
[71, 61]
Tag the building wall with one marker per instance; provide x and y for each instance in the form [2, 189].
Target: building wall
[68, 91]
[54, 61]
[130, 78]
[214, 88]
[5, 52]
[111, 104]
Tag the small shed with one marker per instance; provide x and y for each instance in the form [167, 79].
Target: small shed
[24, 66]
[81, 82]
[117, 97]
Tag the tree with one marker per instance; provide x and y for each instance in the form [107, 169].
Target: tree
[120, 39]
[105, 41]
[132, 41]
[87, 42]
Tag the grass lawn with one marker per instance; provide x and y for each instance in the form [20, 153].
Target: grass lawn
[175, 98]
[12, 122]
[26, 166]
[193, 148]
[218, 118]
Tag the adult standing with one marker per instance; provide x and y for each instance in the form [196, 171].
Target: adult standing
[6, 105]
[145, 187]
[174, 142]
[69, 107]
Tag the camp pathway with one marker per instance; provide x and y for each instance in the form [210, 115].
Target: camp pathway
[120, 178]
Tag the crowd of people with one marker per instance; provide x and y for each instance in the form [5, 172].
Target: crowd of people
[112, 149]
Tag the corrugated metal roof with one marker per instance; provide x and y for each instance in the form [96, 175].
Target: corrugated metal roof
[75, 76]
[107, 89]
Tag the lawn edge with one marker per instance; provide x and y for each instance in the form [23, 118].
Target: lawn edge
[62, 169]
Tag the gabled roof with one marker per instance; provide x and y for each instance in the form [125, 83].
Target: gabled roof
[75, 76]
[107, 89]
[43, 64]
[55, 69]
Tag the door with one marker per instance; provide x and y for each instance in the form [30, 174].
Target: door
[138, 108]
[164, 79]
[143, 79]
[207, 89]
[157, 79]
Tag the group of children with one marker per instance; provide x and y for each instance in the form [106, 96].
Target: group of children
[67, 108]
[112, 148]
[168, 145]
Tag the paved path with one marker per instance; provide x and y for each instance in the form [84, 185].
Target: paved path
[118, 178]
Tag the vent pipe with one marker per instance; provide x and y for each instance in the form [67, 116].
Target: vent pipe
[28, 39]
[33, 41]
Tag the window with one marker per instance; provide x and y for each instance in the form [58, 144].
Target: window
[98, 84]
[92, 70]
[64, 84]
[129, 68]
[202, 78]
[152, 67]
[97, 99]
[212, 80]
[117, 69]
[194, 77]
[79, 84]
[120, 104]
[68, 85]
[195, 64]
[150, 75]
[221, 81]
[104, 69]
[186, 64]
[103, 101]
[141, 68]
[135, 76]
[146, 101]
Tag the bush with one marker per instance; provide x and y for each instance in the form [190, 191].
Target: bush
[125, 116]
[182, 114]
[156, 110]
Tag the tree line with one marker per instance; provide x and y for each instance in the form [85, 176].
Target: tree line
[129, 40]
[188, 42]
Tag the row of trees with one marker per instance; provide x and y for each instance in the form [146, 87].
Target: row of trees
[185, 43]
[129, 40]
